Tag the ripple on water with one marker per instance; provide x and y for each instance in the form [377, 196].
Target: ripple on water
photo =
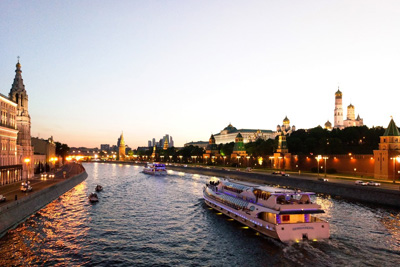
[143, 220]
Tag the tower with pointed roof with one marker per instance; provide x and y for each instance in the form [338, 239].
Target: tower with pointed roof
[239, 151]
[385, 157]
[211, 150]
[338, 112]
[166, 144]
[19, 95]
[121, 148]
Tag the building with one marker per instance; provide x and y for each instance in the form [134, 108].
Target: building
[229, 133]
[211, 150]
[328, 126]
[19, 95]
[202, 144]
[387, 154]
[10, 166]
[338, 114]
[105, 147]
[45, 147]
[285, 129]
[239, 150]
[121, 148]
[166, 145]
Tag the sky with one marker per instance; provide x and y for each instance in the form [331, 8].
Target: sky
[93, 68]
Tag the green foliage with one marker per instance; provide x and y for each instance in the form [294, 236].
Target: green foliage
[356, 140]
[226, 149]
[62, 150]
[261, 147]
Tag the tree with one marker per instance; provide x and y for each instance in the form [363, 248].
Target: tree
[62, 150]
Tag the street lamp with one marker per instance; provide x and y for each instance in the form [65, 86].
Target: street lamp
[238, 158]
[181, 158]
[318, 159]
[248, 157]
[170, 158]
[224, 159]
[325, 158]
[162, 158]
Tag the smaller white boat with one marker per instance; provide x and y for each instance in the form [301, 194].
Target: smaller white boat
[155, 169]
[93, 197]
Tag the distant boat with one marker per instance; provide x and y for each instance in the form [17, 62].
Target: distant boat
[98, 188]
[155, 169]
[93, 197]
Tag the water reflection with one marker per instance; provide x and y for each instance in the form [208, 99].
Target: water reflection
[146, 220]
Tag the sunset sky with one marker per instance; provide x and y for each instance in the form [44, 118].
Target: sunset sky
[93, 69]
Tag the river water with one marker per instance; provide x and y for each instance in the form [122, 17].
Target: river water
[143, 220]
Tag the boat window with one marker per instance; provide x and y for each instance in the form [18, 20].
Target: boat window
[285, 218]
[252, 208]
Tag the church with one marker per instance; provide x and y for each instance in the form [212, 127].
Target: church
[338, 115]
[16, 157]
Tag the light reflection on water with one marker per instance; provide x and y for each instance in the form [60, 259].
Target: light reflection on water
[144, 220]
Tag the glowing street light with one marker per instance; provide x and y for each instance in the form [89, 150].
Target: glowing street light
[181, 158]
[248, 158]
[224, 159]
[238, 158]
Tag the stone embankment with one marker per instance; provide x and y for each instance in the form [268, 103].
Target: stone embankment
[17, 211]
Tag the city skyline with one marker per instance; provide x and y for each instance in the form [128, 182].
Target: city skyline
[189, 69]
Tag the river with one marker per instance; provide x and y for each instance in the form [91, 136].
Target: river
[143, 220]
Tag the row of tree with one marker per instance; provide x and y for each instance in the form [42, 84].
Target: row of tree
[317, 141]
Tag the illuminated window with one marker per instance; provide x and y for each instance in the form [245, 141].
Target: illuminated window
[285, 218]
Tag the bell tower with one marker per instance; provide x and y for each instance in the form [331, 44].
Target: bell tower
[338, 121]
[19, 95]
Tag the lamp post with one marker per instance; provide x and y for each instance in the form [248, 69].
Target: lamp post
[181, 158]
[162, 158]
[224, 159]
[170, 158]
[318, 159]
[238, 158]
[325, 158]
[248, 158]
[279, 162]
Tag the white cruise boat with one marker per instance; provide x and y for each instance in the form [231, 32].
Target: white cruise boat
[155, 169]
[283, 214]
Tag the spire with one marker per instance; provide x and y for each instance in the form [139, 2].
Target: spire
[18, 84]
[121, 140]
[392, 129]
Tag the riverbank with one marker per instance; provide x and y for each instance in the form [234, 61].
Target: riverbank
[338, 188]
[16, 211]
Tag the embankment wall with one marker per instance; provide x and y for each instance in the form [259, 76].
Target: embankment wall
[17, 211]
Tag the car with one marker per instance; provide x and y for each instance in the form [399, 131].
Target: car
[248, 169]
[2, 198]
[26, 188]
[359, 182]
[278, 172]
[372, 183]
[323, 179]
[51, 175]
[284, 174]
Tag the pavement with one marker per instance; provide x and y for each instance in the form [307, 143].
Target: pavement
[13, 191]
